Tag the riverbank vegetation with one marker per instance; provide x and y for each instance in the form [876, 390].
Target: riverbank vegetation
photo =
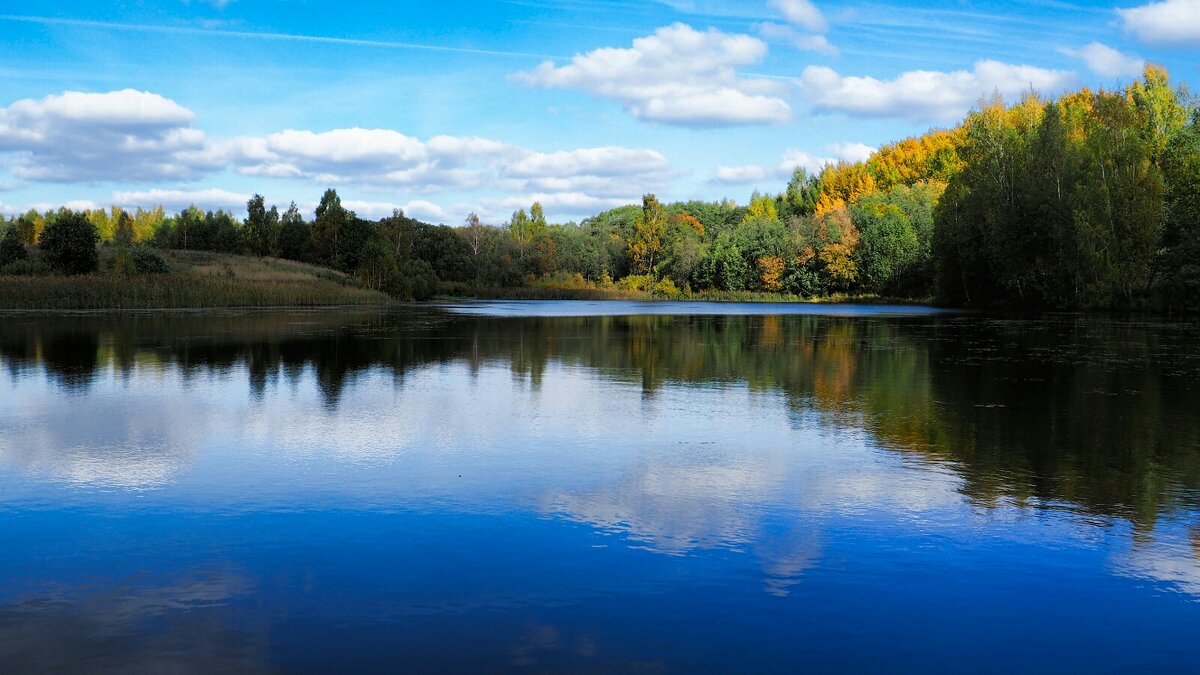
[185, 280]
[1088, 200]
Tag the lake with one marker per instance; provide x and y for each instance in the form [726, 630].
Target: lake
[611, 487]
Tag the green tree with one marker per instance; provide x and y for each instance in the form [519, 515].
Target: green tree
[537, 220]
[1180, 257]
[889, 245]
[331, 219]
[1118, 205]
[123, 233]
[520, 228]
[69, 242]
[186, 228]
[1161, 108]
[262, 228]
[377, 265]
[803, 192]
[295, 237]
[723, 267]
[11, 248]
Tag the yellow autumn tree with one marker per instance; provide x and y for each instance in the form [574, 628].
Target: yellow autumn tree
[645, 246]
[770, 272]
[761, 206]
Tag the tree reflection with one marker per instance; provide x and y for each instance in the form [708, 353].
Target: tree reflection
[1094, 412]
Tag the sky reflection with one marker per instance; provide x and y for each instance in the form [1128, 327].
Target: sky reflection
[345, 473]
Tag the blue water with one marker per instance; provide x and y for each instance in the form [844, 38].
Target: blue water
[540, 487]
[569, 308]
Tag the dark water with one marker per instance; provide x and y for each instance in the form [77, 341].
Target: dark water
[514, 487]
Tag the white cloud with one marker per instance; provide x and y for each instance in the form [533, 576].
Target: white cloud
[563, 205]
[607, 161]
[418, 208]
[851, 152]
[618, 172]
[177, 200]
[79, 137]
[792, 159]
[744, 175]
[1172, 22]
[73, 204]
[382, 156]
[129, 137]
[808, 42]
[677, 76]
[802, 13]
[386, 158]
[925, 95]
[1106, 61]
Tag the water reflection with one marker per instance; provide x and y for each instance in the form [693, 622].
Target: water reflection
[555, 471]
[1099, 414]
[180, 626]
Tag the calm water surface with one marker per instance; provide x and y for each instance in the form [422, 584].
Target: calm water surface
[605, 487]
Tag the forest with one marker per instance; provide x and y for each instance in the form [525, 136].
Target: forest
[1088, 200]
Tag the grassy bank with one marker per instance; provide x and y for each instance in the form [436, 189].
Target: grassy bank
[196, 280]
[203, 280]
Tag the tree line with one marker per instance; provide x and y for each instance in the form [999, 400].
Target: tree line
[1088, 200]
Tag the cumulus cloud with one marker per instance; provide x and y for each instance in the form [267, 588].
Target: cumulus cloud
[791, 160]
[420, 209]
[382, 156]
[179, 199]
[573, 203]
[79, 137]
[851, 152]
[926, 95]
[138, 137]
[743, 175]
[605, 172]
[1171, 22]
[678, 76]
[802, 13]
[73, 204]
[387, 158]
[1106, 61]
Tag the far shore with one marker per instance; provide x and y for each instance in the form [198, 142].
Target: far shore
[198, 292]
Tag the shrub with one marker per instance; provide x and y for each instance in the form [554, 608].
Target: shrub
[665, 288]
[563, 279]
[148, 261]
[413, 280]
[69, 244]
[802, 281]
[636, 282]
[26, 268]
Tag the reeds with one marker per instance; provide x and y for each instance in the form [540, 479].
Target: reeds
[112, 292]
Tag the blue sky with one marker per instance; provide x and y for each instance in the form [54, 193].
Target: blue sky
[457, 106]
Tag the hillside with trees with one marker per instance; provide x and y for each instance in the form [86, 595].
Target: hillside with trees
[1089, 200]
